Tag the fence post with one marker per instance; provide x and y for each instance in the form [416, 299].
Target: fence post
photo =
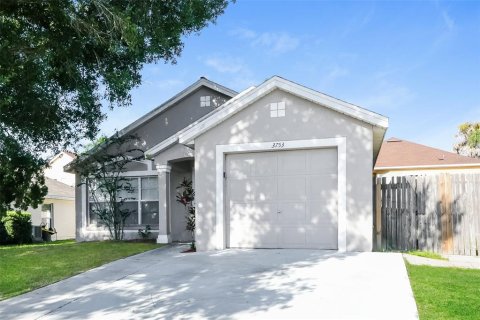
[378, 214]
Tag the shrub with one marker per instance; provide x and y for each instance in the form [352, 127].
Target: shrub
[3, 234]
[145, 233]
[18, 226]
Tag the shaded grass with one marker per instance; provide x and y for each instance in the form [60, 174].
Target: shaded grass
[426, 254]
[445, 293]
[27, 267]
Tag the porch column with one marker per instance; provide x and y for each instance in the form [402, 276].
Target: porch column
[164, 203]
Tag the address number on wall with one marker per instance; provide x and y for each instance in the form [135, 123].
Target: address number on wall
[278, 145]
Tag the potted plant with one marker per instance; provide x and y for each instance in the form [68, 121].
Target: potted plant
[186, 196]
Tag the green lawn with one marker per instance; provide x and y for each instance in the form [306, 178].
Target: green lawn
[27, 267]
[445, 293]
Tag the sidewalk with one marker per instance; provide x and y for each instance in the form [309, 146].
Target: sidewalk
[453, 261]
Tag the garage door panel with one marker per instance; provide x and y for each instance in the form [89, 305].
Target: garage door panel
[292, 237]
[282, 199]
[323, 186]
[292, 162]
[253, 189]
[257, 236]
[292, 188]
[292, 213]
[322, 161]
[264, 164]
[324, 237]
[318, 214]
[253, 213]
[239, 167]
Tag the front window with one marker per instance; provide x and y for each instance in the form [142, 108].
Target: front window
[140, 198]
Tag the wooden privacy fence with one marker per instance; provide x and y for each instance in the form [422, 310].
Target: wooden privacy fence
[438, 213]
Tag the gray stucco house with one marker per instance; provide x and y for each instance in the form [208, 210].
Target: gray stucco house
[278, 165]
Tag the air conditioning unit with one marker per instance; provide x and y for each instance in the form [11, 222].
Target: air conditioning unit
[37, 232]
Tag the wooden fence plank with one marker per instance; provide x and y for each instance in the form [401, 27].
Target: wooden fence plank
[476, 215]
[389, 215]
[383, 187]
[403, 222]
[468, 217]
[457, 183]
[412, 212]
[437, 212]
[378, 214]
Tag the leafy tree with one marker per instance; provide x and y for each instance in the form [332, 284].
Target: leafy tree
[21, 176]
[469, 139]
[186, 196]
[107, 187]
[61, 59]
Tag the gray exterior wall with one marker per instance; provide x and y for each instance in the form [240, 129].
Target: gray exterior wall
[177, 117]
[178, 214]
[303, 120]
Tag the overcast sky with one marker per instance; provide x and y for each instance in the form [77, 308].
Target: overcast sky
[417, 63]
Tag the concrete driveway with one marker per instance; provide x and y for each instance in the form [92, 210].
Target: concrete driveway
[165, 283]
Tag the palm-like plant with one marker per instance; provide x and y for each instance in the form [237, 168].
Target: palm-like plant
[186, 196]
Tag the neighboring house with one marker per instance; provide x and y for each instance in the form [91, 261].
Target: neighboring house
[399, 157]
[58, 208]
[275, 166]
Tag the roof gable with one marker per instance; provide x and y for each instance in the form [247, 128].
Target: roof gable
[202, 82]
[251, 95]
[397, 153]
[146, 120]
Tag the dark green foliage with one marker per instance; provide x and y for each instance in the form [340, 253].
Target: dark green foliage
[61, 59]
[186, 196]
[145, 233]
[3, 233]
[21, 176]
[18, 226]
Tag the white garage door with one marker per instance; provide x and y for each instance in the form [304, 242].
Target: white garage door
[282, 199]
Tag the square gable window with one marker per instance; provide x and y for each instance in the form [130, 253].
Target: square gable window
[205, 101]
[277, 109]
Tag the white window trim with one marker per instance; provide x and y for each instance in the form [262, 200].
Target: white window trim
[205, 101]
[222, 150]
[130, 174]
[277, 109]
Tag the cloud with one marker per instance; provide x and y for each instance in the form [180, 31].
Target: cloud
[449, 22]
[163, 84]
[337, 72]
[243, 33]
[384, 92]
[277, 42]
[331, 75]
[273, 42]
[225, 64]
[236, 73]
[387, 95]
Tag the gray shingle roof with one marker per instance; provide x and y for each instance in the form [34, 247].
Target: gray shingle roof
[59, 190]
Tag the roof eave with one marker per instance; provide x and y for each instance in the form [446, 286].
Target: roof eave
[437, 166]
[236, 104]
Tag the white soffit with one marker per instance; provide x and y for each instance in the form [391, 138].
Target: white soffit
[248, 97]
